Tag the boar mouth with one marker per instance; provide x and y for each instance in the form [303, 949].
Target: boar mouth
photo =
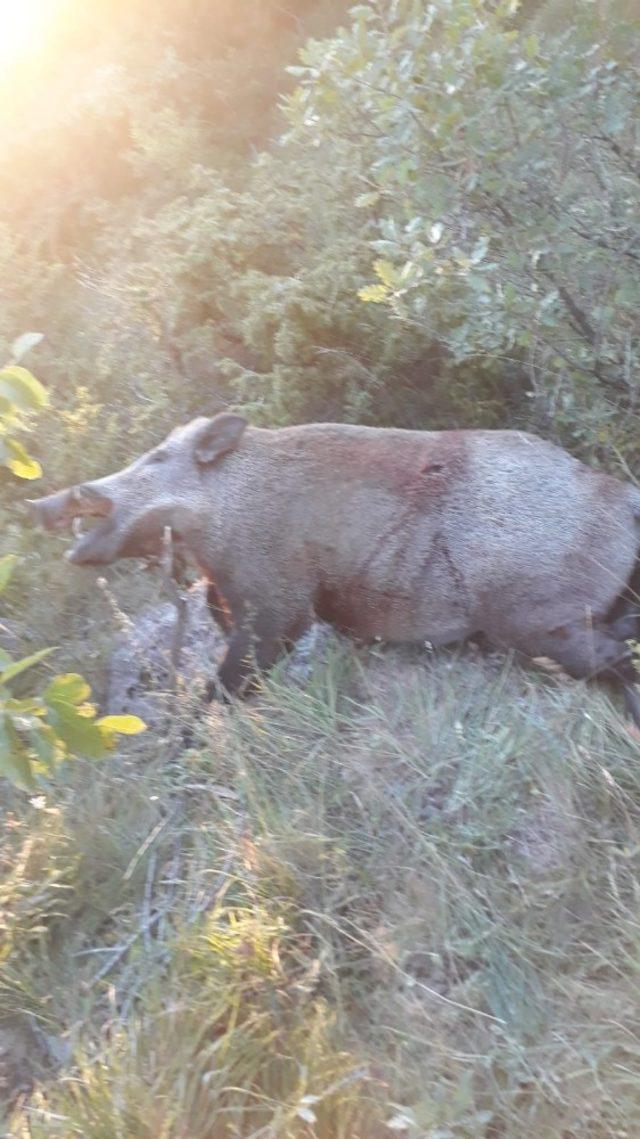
[87, 502]
[87, 505]
[70, 509]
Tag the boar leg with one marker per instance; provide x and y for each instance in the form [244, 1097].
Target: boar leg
[254, 647]
[589, 651]
[219, 609]
[249, 652]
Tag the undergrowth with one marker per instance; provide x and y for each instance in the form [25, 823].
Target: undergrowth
[402, 899]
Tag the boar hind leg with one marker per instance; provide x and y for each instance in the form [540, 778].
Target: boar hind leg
[588, 652]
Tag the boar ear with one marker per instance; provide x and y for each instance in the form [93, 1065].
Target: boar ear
[217, 436]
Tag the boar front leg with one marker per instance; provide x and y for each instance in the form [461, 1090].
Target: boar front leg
[218, 609]
[255, 645]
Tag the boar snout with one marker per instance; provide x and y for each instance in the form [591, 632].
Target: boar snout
[56, 511]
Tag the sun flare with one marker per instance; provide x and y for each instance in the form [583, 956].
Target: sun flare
[22, 25]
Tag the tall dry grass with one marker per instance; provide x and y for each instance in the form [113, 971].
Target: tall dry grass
[402, 899]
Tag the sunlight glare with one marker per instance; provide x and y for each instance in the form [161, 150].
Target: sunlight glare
[22, 23]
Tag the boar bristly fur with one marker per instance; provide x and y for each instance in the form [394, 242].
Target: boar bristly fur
[400, 535]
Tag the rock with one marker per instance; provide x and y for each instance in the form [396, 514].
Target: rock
[140, 667]
[140, 670]
[311, 647]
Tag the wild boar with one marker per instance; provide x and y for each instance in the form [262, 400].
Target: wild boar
[400, 535]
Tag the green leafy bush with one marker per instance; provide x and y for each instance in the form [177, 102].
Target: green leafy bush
[37, 732]
[501, 174]
[20, 395]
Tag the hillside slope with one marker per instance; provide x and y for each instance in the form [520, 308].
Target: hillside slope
[399, 900]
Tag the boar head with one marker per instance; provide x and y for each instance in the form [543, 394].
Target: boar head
[167, 486]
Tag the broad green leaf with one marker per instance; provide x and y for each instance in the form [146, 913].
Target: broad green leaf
[22, 665]
[79, 732]
[31, 706]
[24, 344]
[47, 746]
[122, 725]
[7, 565]
[21, 462]
[69, 688]
[18, 385]
[14, 761]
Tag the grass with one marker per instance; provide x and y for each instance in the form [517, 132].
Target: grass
[402, 900]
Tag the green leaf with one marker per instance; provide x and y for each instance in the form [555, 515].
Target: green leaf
[47, 746]
[14, 761]
[69, 688]
[22, 464]
[22, 665]
[122, 725]
[29, 707]
[7, 565]
[79, 732]
[24, 344]
[19, 386]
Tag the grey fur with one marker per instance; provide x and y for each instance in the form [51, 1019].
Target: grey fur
[402, 535]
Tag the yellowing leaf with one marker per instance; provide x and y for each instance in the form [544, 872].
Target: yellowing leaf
[374, 294]
[21, 463]
[387, 272]
[70, 687]
[122, 725]
[18, 385]
[79, 733]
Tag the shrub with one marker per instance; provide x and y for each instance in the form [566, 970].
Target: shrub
[37, 732]
[500, 170]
